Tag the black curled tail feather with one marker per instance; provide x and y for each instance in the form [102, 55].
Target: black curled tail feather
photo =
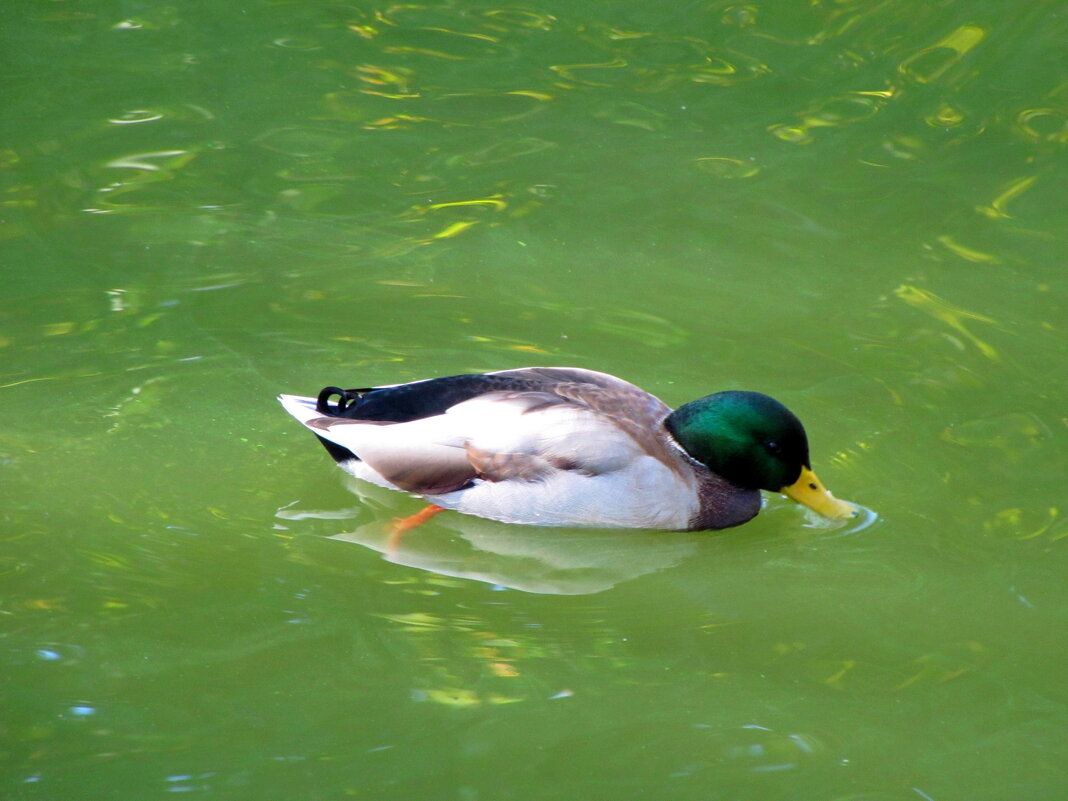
[346, 406]
[347, 400]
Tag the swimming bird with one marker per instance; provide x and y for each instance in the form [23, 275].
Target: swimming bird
[564, 446]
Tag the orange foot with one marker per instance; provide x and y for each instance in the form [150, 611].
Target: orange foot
[402, 524]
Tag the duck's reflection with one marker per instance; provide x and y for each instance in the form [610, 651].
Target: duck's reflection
[529, 558]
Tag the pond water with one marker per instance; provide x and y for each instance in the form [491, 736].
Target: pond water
[858, 208]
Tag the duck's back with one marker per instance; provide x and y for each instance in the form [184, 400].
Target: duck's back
[402, 403]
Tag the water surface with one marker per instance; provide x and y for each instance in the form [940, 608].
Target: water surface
[857, 208]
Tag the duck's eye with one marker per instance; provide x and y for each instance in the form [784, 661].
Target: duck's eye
[774, 448]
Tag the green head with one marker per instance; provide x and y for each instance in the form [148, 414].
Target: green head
[749, 439]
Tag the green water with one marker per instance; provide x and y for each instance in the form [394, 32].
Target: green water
[856, 207]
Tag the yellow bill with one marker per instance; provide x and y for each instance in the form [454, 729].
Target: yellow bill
[809, 491]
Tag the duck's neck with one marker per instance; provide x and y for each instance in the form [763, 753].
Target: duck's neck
[721, 504]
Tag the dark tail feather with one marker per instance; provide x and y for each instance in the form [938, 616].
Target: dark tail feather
[337, 452]
[347, 399]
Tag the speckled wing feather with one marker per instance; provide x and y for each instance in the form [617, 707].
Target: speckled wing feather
[638, 414]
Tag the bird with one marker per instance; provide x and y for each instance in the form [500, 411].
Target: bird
[567, 446]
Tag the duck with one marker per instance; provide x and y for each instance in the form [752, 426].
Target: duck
[567, 446]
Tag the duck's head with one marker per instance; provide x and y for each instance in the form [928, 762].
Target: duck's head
[754, 442]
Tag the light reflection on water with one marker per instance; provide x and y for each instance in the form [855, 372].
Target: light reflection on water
[856, 208]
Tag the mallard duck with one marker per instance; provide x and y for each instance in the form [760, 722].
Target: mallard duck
[563, 446]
